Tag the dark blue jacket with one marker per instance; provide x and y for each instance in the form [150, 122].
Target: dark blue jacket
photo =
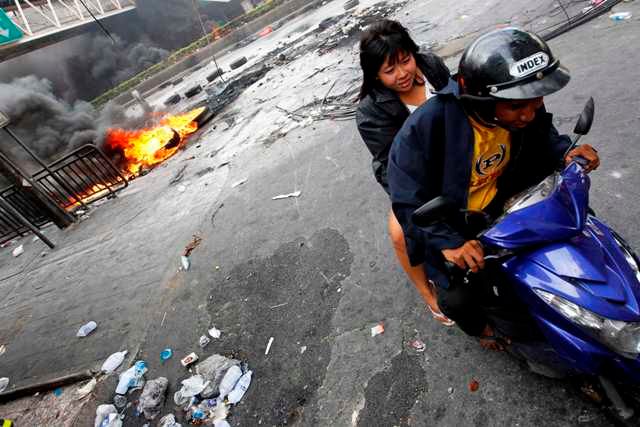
[432, 155]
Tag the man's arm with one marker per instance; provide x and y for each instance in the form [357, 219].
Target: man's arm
[410, 187]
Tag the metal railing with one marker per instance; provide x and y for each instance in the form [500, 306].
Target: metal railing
[81, 177]
[78, 179]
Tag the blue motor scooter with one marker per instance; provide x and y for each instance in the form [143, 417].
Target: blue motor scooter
[572, 283]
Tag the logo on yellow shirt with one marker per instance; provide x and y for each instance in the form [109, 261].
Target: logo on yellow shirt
[486, 162]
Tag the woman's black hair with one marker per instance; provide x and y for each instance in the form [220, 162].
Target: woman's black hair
[383, 39]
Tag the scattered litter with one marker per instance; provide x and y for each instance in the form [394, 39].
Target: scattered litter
[286, 196]
[221, 423]
[164, 316]
[621, 16]
[215, 333]
[113, 362]
[57, 392]
[238, 183]
[120, 401]
[86, 389]
[417, 345]
[152, 397]
[190, 387]
[102, 414]
[240, 388]
[195, 242]
[169, 421]
[186, 263]
[213, 369]
[189, 359]
[35, 239]
[86, 329]
[132, 378]
[4, 382]
[450, 390]
[266, 352]
[166, 354]
[3, 349]
[303, 349]
[181, 188]
[586, 418]
[18, 251]
[474, 385]
[279, 305]
[229, 381]
[204, 341]
[377, 330]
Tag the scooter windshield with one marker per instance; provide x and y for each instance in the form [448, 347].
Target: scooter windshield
[555, 209]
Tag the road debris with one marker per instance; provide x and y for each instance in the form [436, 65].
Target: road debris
[266, 352]
[213, 369]
[113, 362]
[303, 349]
[240, 388]
[450, 390]
[377, 330]
[295, 194]
[418, 345]
[132, 378]
[195, 242]
[102, 415]
[166, 354]
[4, 382]
[86, 329]
[238, 183]
[204, 341]
[189, 359]
[3, 349]
[169, 421]
[190, 387]
[185, 262]
[214, 332]
[18, 251]
[58, 392]
[586, 417]
[621, 16]
[181, 188]
[229, 381]
[152, 397]
[474, 385]
[86, 389]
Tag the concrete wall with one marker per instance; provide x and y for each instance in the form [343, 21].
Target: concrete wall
[288, 10]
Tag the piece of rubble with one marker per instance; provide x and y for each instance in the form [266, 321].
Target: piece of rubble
[377, 330]
[152, 397]
[295, 194]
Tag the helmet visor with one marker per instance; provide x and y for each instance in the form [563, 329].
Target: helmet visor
[549, 84]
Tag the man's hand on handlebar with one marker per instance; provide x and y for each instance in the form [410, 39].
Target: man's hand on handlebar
[470, 255]
[588, 153]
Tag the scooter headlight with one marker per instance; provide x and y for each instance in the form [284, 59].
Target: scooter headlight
[533, 195]
[621, 337]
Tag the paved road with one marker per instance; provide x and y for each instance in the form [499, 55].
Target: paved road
[317, 271]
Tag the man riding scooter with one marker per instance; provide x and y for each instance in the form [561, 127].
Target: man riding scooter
[483, 139]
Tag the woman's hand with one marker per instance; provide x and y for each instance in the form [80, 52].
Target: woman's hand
[470, 255]
[589, 153]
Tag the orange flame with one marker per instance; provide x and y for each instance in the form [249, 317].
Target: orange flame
[148, 147]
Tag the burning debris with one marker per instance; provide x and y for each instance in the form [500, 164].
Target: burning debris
[144, 148]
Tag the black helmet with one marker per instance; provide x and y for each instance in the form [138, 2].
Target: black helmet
[510, 64]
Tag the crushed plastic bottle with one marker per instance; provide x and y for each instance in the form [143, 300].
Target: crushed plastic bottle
[240, 389]
[113, 362]
[86, 329]
[4, 382]
[229, 381]
[132, 377]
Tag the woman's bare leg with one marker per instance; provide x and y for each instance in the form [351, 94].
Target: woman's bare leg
[416, 274]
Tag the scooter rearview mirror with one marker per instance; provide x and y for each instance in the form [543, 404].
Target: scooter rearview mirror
[433, 211]
[586, 118]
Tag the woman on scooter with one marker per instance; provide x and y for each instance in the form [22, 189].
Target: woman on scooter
[484, 138]
[396, 80]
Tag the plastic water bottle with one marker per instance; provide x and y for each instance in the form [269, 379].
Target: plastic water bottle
[86, 329]
[131, 377]
[240, 389]
[113, 361]
[229, 381]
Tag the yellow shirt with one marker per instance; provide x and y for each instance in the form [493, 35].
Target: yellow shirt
[491, 152]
